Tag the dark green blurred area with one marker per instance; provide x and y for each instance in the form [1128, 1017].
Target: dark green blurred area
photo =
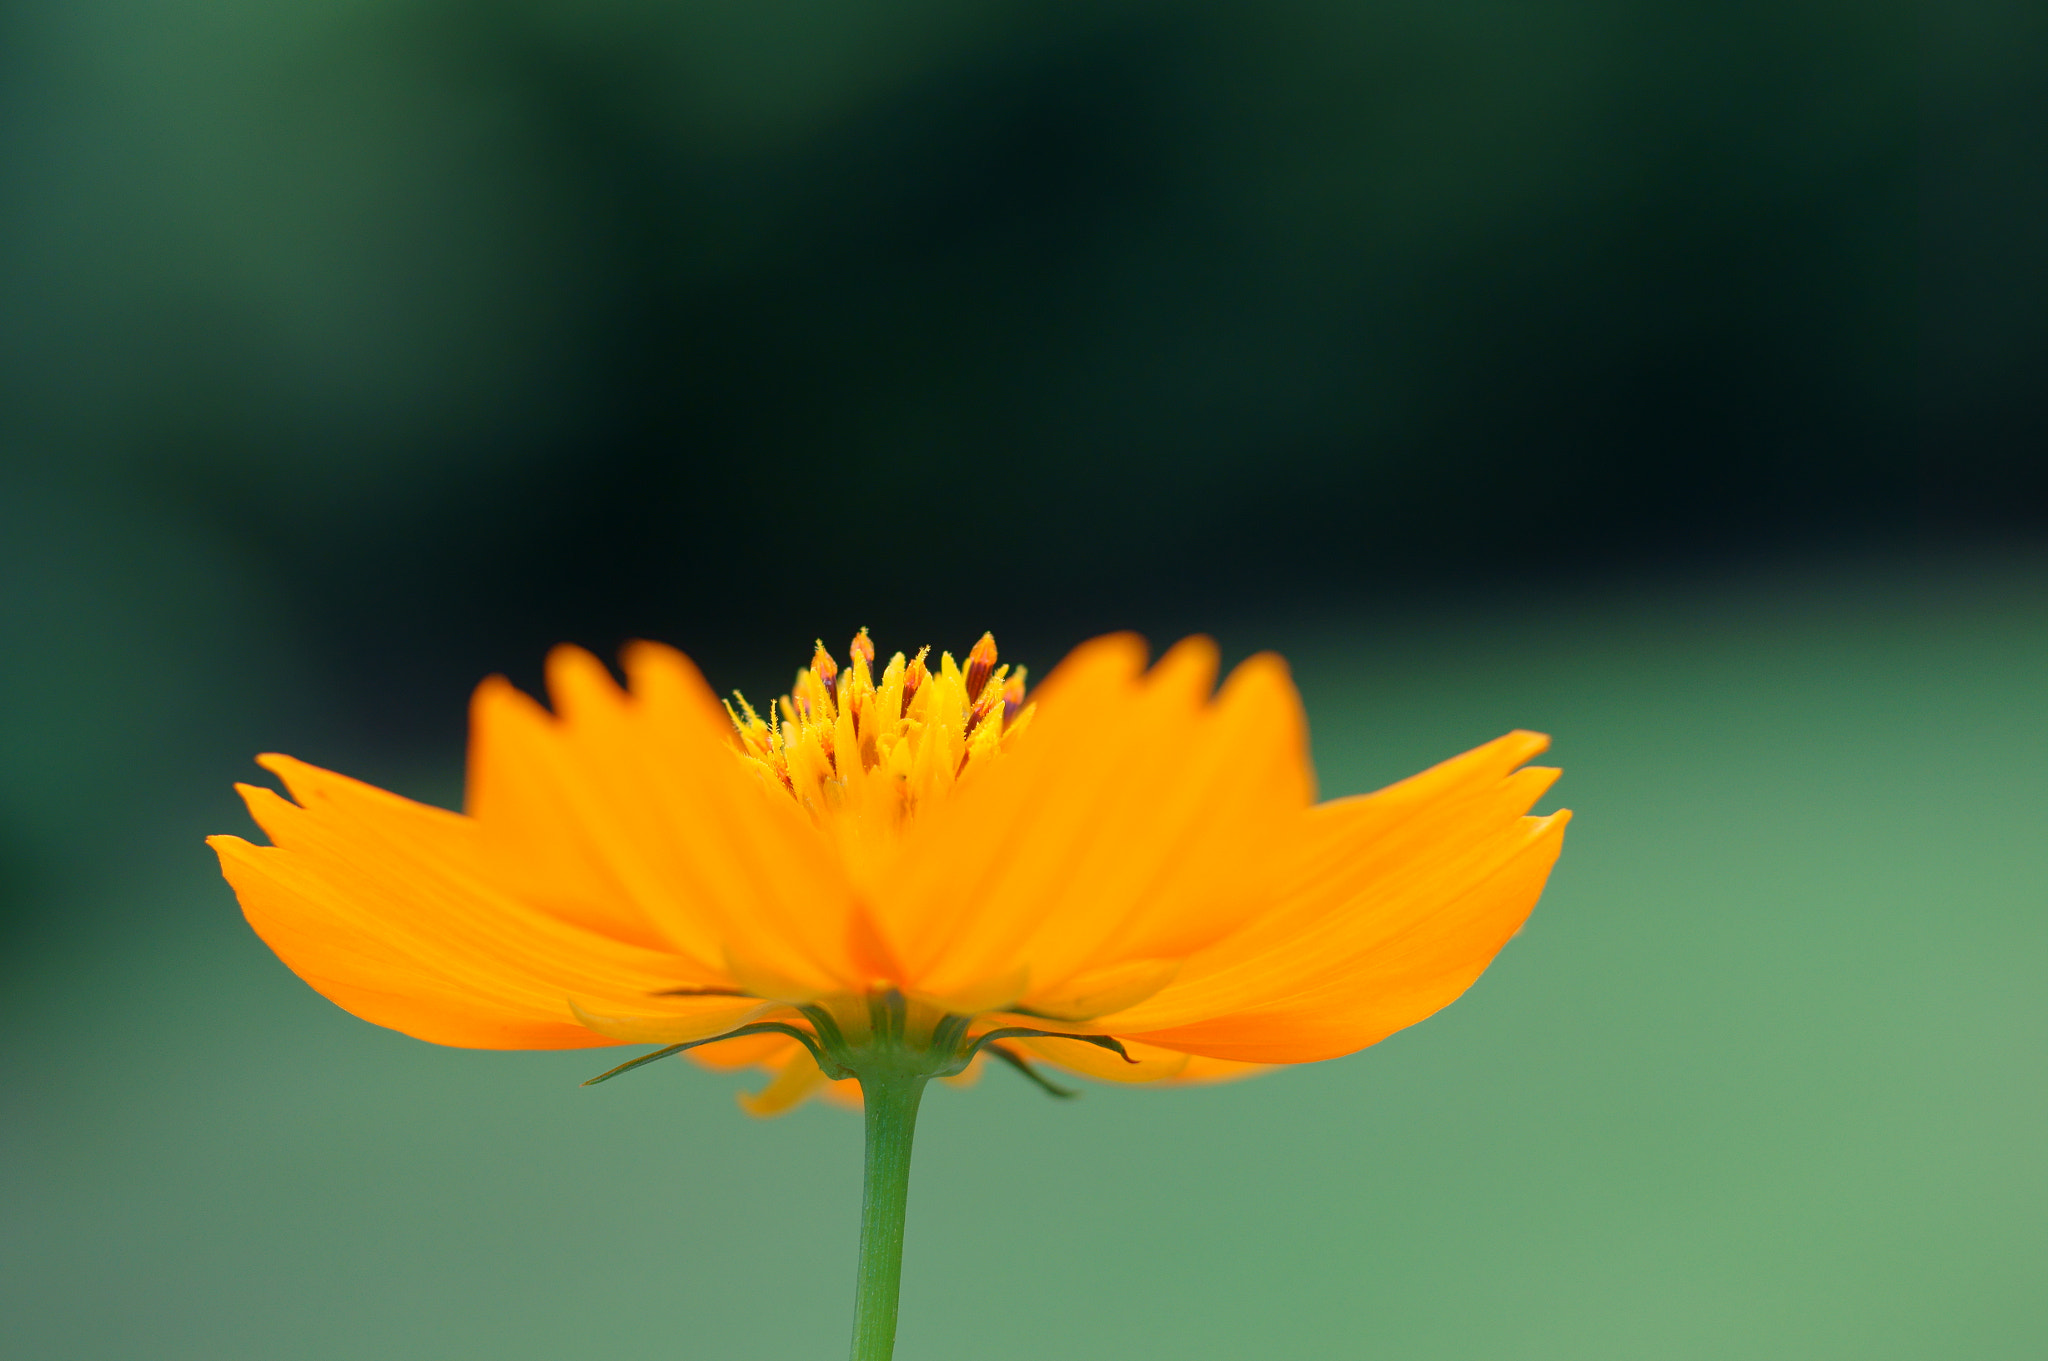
[1665, 377]
[471, 326]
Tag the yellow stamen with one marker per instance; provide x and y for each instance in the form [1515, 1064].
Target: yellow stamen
[844, 741]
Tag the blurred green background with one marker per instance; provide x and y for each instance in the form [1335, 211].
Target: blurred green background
[1665, 377]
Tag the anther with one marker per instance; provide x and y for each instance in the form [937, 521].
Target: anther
[827, 672]
[991, 700]
[980, 663]
[914, 676]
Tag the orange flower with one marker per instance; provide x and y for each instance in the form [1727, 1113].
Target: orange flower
[1127, 877]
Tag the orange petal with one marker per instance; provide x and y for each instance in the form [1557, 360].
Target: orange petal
[690, 1018]
[1380, 843]
[633, 814]
[797, 1080]
[991, 993]
[1390, 960]
[1117, 988]
[396, 932]
[1136, 822]
[1393, 903]
[1202, 1070]
[1152, 1063]
[526, 816]
[768, 1051]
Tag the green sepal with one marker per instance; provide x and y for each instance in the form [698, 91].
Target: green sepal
[829, 1033]
[951, 1029]
[1109, 1042]
[1024, 1066]
[755, 1028]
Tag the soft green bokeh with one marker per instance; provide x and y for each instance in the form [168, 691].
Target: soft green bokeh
[1763, 1078]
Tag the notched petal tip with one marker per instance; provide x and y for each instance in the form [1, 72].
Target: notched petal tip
[1192, 665]
[1112, 657]
[578, 682]
[297, 776]
[270, 810]
[496, 692]
[657, 672]
[227, 847]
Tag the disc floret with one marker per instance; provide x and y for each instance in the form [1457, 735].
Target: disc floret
[848, 739]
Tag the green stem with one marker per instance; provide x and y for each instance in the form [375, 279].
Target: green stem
[891, 1100]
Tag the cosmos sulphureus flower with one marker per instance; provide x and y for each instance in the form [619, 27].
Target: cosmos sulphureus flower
[900, 871]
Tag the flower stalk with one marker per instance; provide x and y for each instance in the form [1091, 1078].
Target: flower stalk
[893, 1049]
[890, 1098]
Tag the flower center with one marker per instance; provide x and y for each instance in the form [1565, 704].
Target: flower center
[845, 738]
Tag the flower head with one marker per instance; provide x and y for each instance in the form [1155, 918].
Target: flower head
[1126, 875]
